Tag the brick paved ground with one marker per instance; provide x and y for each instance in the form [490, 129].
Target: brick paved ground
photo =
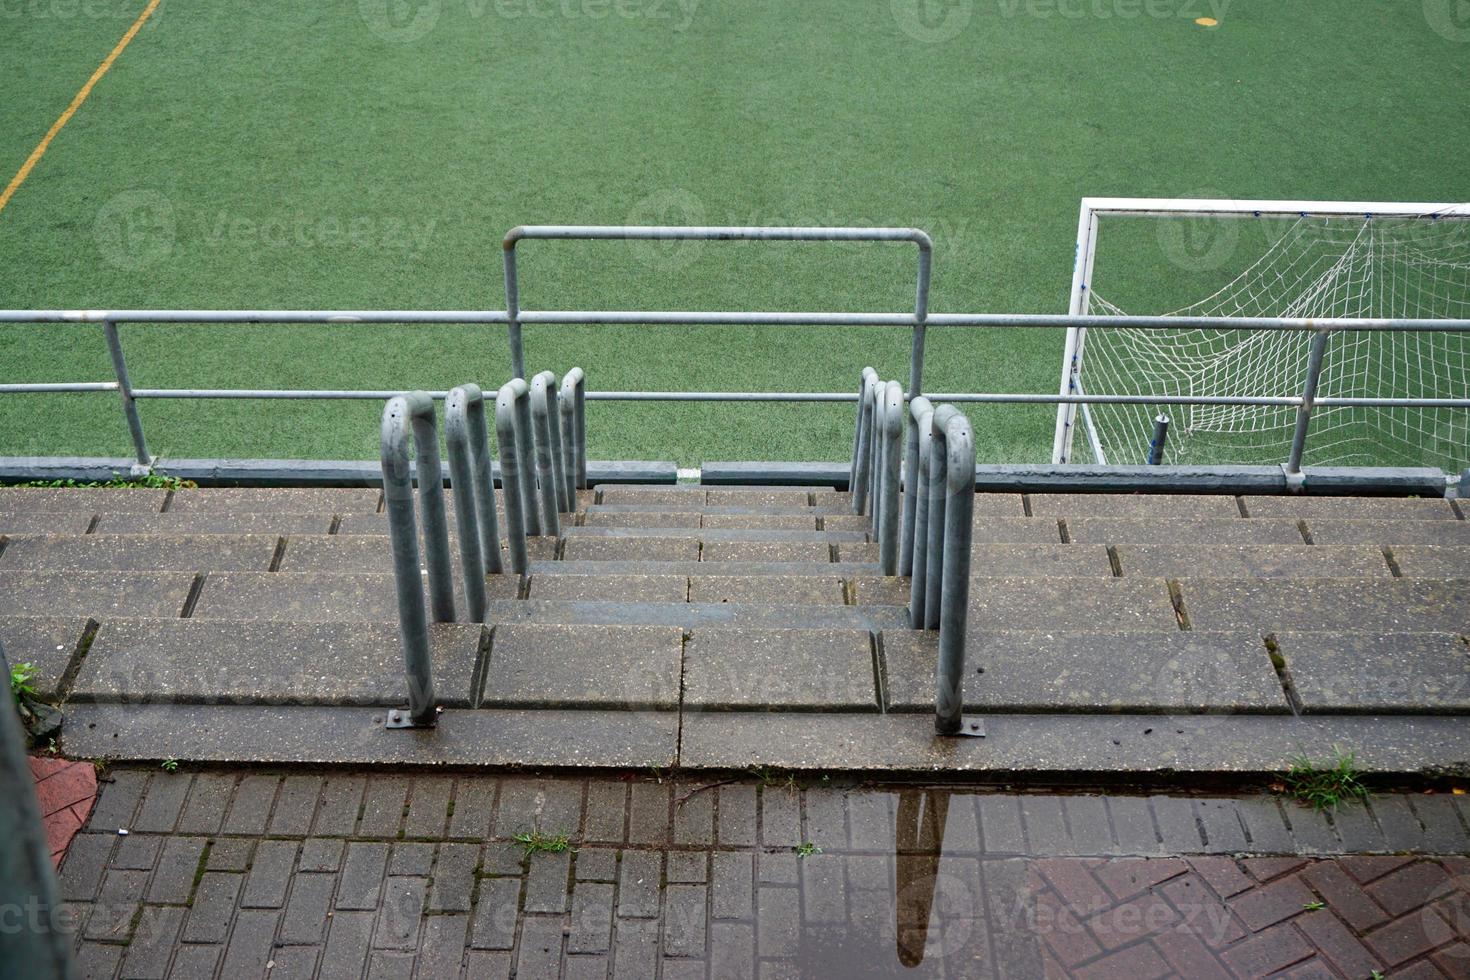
[372, 874]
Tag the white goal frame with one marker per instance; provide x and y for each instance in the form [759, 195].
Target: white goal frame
[1094, 208]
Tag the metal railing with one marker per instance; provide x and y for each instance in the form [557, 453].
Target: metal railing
[918, 322]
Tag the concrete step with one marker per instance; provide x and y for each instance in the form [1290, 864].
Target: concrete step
[735, 668]
[318, 596]
[825, 569]
[253, 661]
[1351, 508]
[1010, 559]
[1163, 506]
[1432, 561]
[630, 668]
[216, 522]
[596, 517]
[141, 552]
[50, 644]
[673, 497]
[1353, 605]
[373, 552]
[45, 522]
[84, 500]
[288, 500]
[716, 534]
[1386, 533]
[1255, 561]
[1376, 672]
[1081, 603]
[1198, 531]
[691, 615]
[95, 594]
[1166, 671]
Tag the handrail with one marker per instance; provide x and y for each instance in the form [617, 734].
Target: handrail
[404, 417]
[574, 431]
[888, 524]
[547, 451]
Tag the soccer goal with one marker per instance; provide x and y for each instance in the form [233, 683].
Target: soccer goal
[1268, 259]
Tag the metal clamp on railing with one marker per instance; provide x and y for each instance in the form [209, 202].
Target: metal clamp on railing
[938, 535]
[473, 483]
[517, 484]
[406, 416]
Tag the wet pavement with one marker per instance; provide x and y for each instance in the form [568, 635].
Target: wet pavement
[373, 874]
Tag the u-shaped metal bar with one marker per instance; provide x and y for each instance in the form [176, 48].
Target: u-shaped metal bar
[861, 445]
[473, 484]
[548, 465]
[516, 488]
[959, 445]
[573, 405]
[404, 417]
[891, 429]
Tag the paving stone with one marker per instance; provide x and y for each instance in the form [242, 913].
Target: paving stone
[162, 803]
[1253, 561]
[772, 522]
[307, 911]
[694, 818]
[494, 924]
[1133, 823]
[87, 500]
[488, 965]
[400, 914]
[732, 950]
[1433, 561]
[778, 921]
[250, 942]
[1178, 828]
[1265, 824]
[84, 865]
[1350, 508]
[779, 670]
[194, 962]
[612, 588]
[640, 881]
[119, 792]
[362, 876]
[596, 864]
[684, 920]
[1357, 829]
[295, 805]
[211, 522]
[47, 644]
[546, 882]
[778, 866]
[473, 807]
[1344, 896]
[780, 817]
[737, 808]
[213, 908]
[1394, 605]
[592, 919]
[137, 852]
[1204, 532]
[592, 666]
[382, 807]
[270, 873]
[1313, 831]
[428, 807]
[731, 884]
[1056, 671]
[101, 595]
[336, 815]
[230, 854]
[1401, 827]
[44, 522]
[321, 854]
[648, 813]
[141, 553]
[756, 615]
[551, 806]
[1370, 672]
[199, 661]
[1388, 533]
[606, 811]
[153, 943]
[209, 797]
[1087, 818]
[348, 941]
[1224, 833]
[785, 590]
[1049, 560]
[443, 946]
[1443, 831]
[1175, 506]
[688, 867]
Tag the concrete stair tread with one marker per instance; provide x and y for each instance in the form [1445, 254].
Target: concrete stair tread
[1387, 604]
[285, 500]
[716, 534]
[1200, 530]
[842, 569]
[256, 661]
[1011, 559]
[49, 644]
[1395, 508]
[692, 615]
[374, 553]
[141, 552]
[45, 522]
[318, 596]
[1255, 561]
[734, 668]
[549, 665]
[217, 522]
[24, 592]
[88, 500]
[1386, 532]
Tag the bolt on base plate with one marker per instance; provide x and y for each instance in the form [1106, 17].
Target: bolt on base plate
[969, 728]
[401, 718]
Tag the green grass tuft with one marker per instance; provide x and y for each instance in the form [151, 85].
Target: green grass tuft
[534, 842]
[1325, 785]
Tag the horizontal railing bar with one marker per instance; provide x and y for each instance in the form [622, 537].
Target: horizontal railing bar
[295, 394]
[713, 233]
[1177, 208]
[63, 386]
[727, 318]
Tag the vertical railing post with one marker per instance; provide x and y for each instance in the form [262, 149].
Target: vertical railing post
[858, 484]
[1159, 441]
[959, 508]
[125, 389]
[921, 315]
[939, 421]
[558, 460]
[1315, 358]
[512, 466]
[513, 310]
[462, 483]
[546, 462]
[923, 428]
[38, 949]
[484, 474]
[875, 447]
[402, 415]
[918, 405]
[574, 449]
[525, 433]
[889, 526]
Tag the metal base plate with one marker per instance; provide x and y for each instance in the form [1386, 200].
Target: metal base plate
[400, 718]
[969, 728]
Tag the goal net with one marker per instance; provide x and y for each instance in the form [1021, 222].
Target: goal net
[1308, 260]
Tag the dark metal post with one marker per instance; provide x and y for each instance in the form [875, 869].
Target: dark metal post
[861, 441]
[581, 426]
[921, 314]
[125, 389]
[484, 481]
[404, 414]
[888, 529]
[1157, 443]
[525, 433]
[574, 452]
[938, 513]
[919, 529]
[959, 510]
[1315, 360]
[875, 447]
[513, 311]
[37, 946]
[546, 463]
[462, 482]
[512, 465]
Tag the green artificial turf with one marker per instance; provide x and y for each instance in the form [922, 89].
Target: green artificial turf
[284, 155]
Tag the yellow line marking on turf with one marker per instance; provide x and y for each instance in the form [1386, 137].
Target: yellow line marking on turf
[76, 103]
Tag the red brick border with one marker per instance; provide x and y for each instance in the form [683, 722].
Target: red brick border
[66, 791]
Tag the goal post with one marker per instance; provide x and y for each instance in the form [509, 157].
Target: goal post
[1314, 259]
